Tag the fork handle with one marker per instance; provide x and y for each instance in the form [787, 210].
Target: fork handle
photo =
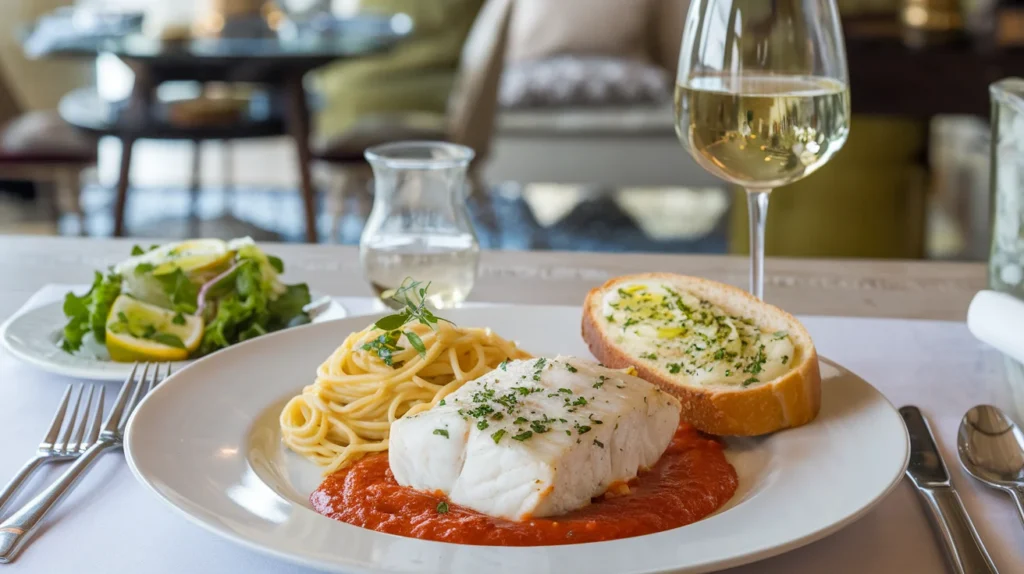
[19, 480]
[18, 528]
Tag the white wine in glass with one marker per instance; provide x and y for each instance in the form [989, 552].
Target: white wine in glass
[762, 98]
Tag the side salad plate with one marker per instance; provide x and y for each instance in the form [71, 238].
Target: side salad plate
[170, 303]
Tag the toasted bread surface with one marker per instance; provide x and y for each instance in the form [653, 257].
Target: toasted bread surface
[790, 399]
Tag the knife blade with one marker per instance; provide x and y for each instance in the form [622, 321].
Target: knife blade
[927, 471]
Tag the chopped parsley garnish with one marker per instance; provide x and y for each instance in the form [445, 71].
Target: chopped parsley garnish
[565, 390]
[508, 401]
[442, 507]
[441, 432]
[649, 356]
[481, 411]
[482, 424]
[600, 382]
[570, 368]
[750, 381]
[674, 368]
[526, 390]
[581, 429]
[497, 435]
[598, 443]
[785, 359]
[538, 428]
[757, 363]
[503, 365]
[441, 403]
[579, 402]
[520, 421]
[540, 363]
[522, 436]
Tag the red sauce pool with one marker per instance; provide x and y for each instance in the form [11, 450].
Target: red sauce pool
[691, 481]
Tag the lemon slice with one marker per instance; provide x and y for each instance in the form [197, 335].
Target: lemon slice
[194, 256]
[138, 331]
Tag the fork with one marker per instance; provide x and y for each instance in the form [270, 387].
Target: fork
[56, 447]
[18, 528]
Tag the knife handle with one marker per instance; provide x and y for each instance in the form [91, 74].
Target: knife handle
[966, 553]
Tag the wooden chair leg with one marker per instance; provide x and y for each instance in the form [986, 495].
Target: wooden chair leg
[477, 185]
[228, 167]
[195, 182]
[298, 127]
[68, 186]
[122, 186]
[336, 202]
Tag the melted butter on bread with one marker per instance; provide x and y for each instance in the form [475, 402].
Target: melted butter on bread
[692, 338]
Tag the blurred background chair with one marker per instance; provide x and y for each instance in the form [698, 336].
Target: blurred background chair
[468, 118]
[576, 102]
[38, 147]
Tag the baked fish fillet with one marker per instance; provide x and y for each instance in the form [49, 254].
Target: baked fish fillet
[535, 437]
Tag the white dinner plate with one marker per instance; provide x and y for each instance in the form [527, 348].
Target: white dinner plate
[34, 337]
[227, 470]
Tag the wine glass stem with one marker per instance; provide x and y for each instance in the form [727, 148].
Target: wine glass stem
[757, 211]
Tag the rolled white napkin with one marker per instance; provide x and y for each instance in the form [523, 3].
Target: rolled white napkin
[997, 319]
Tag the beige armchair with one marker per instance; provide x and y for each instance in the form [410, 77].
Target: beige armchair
[469, 119]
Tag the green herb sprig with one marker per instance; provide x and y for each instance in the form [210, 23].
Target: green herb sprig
[412, 295]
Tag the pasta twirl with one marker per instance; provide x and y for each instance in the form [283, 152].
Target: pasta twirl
[347, 412]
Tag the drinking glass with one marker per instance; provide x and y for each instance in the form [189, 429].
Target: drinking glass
[762, 97]
[419, 226]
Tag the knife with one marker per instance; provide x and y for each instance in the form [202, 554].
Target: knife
[966, 553]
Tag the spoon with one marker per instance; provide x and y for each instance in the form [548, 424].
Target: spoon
[991, 448]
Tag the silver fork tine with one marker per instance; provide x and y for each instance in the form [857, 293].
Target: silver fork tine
[94, 424]
[114, 418]
[76, 440]
[145, 383]
[65, 438]
[58, 420]
[45, 454]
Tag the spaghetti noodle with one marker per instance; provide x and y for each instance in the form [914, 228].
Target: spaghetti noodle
[348, 411]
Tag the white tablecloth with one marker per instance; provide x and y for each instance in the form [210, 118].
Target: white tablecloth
[110, 524]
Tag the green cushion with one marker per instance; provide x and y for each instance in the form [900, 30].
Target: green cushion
[868, 201]
[416, 75]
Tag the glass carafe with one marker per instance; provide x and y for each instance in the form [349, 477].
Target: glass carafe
[419, 226]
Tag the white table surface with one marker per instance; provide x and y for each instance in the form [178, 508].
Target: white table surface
[110, 524]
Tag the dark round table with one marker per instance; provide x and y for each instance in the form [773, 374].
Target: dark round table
[275, 62]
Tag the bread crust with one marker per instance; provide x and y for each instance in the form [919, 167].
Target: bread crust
[791, 400]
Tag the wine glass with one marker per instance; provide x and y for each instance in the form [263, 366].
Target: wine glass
[762, 97]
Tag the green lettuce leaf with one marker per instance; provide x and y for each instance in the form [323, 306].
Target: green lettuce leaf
[180, 291]
[89, 312]
[287, 308]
